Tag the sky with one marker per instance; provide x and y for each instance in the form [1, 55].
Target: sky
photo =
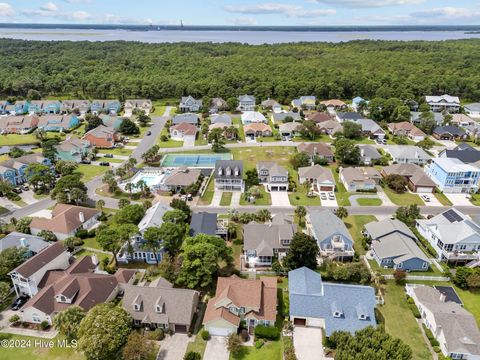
[243, 12]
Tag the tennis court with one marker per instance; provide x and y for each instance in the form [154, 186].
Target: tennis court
[191, 160]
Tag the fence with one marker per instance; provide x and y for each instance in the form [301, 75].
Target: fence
[421, 277]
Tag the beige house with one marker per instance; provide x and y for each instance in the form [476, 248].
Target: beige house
[318, 176]
[183, 131]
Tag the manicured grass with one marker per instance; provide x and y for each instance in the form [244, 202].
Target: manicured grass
[369, 202]
[355, 224]
[475, 199]
[251, 156]
[442, 198]
[198, 345]
[3, 210]
[100, 256]
[36, 352]
[400, 322]
[15, 139]
[226, 199]
[237, 122]
[403, 199]
[207, 197]
[300, 198]
[471, 301]
[169, 143]
[121, 152]
[91, 243]
[341, 194]
[90, 171]
[271, 350]
[264, 199]
[20, 203]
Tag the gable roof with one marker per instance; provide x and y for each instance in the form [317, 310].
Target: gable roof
[222, 165]
[466, 155]
[185, 128]
[407, 152]
[326, 224]
[203, 223]
[281, 116]
[17, 240]
[412, 171]
[221, 119]
[257, 127]
[186, 118]
[312, 149]
[379, 229]
[263, 238]
[153, 216]
[38, 261]
[369, 151]
[290, 127]
[273, 168]
[355, 174]
[442, 98]
[449, 129]
[101, 131]
[316, 172]
[349, 115]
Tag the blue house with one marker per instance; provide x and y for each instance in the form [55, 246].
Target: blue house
[13, 170]
[73, 150]
[331, 306]
[135, 251]
[60, 123]
[35, 107]
[22, 107]
[453, 176]
[333, 238]
[96, 106]
[112, 121]
[3, 106]
[356, 102]
[51, 106]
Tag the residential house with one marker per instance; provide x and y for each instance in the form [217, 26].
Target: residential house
[455, 329]
[135, 250]
[18, 124]
[330, 306]
[320, 116]
[358, 179]
[443, 103]
[449, 132]
[262, 243]
[454, 236]
[160, 305]
[472, 110]
[183, 131]
[416, 118]
[140, 104]
[348, 116]
[14, 170]
[314, 150]
[371, 129]
[368, 154]
[270, 104]
[190, 104]
[462, 120]
[82, 106]
[188, 118]
[3, 106]
[229, 175]
[73, 149]
[60, 123]
[21, 107]
[237, 300]
[255, 130]
[112, 121]
[290, 129]
[394, 245]
[253, 117]
[217, 105]
[27, 276]
[462, 152]
[78, 285]
[102, 137]
[45, 107]
[180, 179]
[306, 102]
[226, 130]
[417, 180]
[330, 127]
[333, 238]
[321, 178]
[406, 129]
[334, 104]
[453, 176]
[206, 223]
[33, 244]
[281, 116]
[357, 101]
[112, 107]
[473, 131]
[66, 220]
[246, 103]
[408, 154]
[221, 119]
[272, 175]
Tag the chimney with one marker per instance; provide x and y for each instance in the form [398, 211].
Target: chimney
[94, 260]
[23, 242]
[442, 297]
[362, 151]
[81, 217]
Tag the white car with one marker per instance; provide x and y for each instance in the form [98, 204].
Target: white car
[323, 196]
[426, 198]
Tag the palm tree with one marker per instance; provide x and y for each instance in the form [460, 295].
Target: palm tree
[231, 230]
[264, 215]
[341, 212]
[129, 187]
[40, 134]
[100, 204]
[301, 212]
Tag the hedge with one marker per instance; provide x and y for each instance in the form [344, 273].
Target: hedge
[267, 332]
[430, 336]
[415, 311]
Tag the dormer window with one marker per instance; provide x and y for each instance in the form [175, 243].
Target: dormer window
[136, 307]
[237, 172]
[220, 171]
[229, 171]
[337, 314]
[158, 309]
[362, 317]
[233, 310]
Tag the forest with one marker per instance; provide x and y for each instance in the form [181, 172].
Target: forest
[384, 69]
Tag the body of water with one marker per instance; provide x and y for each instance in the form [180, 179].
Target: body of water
[253, 37]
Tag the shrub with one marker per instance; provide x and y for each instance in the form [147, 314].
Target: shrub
[192, 355]
[82, 234]
[237, 242]
[259, 343]
[77, 242]
[13, 319]
[267, 332]
[44, 325]
[92, 233]
[205, 335]
[436, 349]
[415, 311]
[157, 334]
[410, 300]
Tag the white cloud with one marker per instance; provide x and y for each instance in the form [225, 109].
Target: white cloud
[115, 19]
[78, 1]
[277, 8]
[244, 21]
[6, 10]
[51, 10]
[447, 13]
[77, 16]
[50, 6]
[368, 3]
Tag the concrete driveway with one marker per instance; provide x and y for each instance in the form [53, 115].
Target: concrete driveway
[217, 197]
[384, 197]
[328, 202]
[308, 343]
[280, 198]
[433, 199]
[174, 347]
[216, 349]
[188, 142]
[459, 199]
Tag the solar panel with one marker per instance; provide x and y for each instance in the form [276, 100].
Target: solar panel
[452, 216]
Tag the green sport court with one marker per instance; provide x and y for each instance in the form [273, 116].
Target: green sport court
[191, 160]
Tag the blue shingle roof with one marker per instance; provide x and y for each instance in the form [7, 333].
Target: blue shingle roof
[349, 302]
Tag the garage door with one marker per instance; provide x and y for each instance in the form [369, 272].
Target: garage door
[325, 188]
[424, 190]
[181, 328]
[315, 322]
[299, 322]
[217, 331]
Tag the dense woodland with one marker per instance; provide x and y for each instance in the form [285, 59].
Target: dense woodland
[384, 69]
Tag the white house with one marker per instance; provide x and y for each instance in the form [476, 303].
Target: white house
[443, 103]
[253, 117]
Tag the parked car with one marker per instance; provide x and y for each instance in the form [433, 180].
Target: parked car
[149, 133]
[425, 198]
[110, 156]
[323, 196]
[189, 197]
[19, 302]
[331, 196]
[17, 190]
[86, 162]
[104, 163]
[25, 187]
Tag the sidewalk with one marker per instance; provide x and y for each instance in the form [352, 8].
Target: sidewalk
[235, 199]
[384, 197]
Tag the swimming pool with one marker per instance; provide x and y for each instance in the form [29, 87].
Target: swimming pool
[193, 160]
[152, 178]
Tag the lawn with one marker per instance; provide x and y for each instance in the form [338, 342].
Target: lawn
[251, 156]
[369, 202]
[471, 301]
[355, 224]
[3, 210]
[340, 192]
[15, 139]
[264, 199]
[91, 243]
[400, 322]
[198, 345]
[121, 152]
[475, 199]
[300, 198]
[207, 197]
[406, 198]
[169, 143]
[36, 352]
[442, 198]
[237, 122]
[271, 350]
[226, 199]
[90, 171]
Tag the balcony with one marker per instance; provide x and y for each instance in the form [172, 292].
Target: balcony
[461, 255]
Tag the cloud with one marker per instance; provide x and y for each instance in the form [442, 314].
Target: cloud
[115, 19]
[78, 1]
[244, 21]
[277, 8]
[447, 13]
[50, 6]
[368, 3]
[6, 10]
[51, 10]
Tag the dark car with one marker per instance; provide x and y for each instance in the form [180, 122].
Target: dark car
[86, 162]
[19, 302]
[104, 163]
[149, 133]
[108, 156]
[17, 190]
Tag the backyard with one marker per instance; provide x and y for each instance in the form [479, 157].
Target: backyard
[355, 224]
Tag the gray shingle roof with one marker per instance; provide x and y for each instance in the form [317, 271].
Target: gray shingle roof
[16, 239]
[221, 119]
[310, 297]
[263, 238]
[450, 129]
[281, 116]
[153, 216]
[379, 229]
[369, 151]
[350, 115]
[188, 118]
[223, 167]
[203, 223]
[326, 224]
[399, 247]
